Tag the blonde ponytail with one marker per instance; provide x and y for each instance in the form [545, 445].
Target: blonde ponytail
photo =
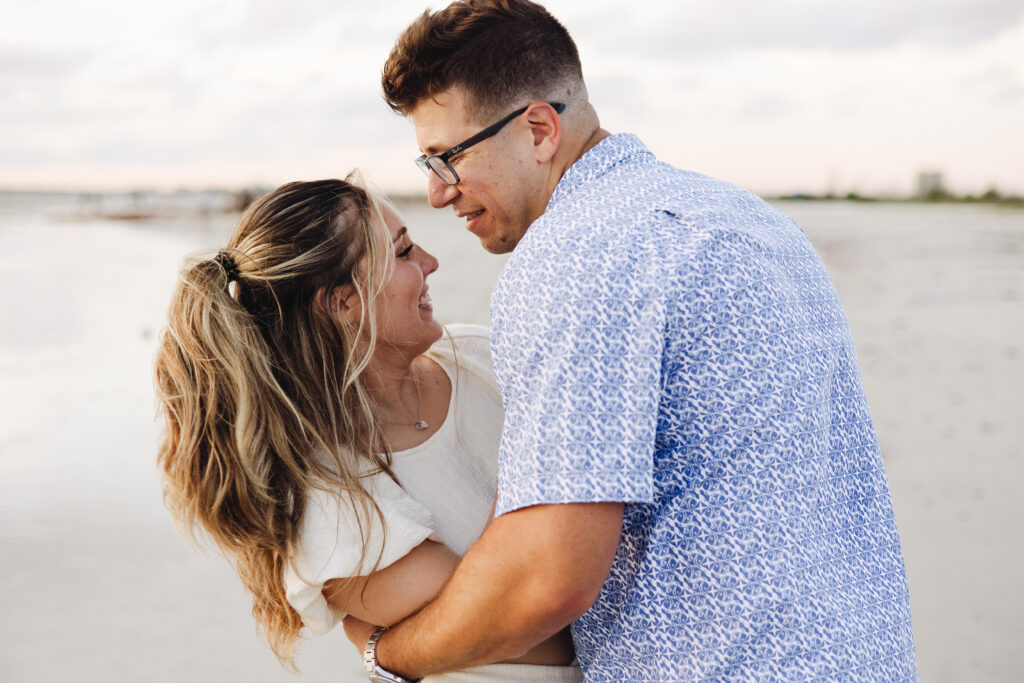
[260, 386]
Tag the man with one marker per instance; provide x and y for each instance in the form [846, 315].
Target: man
[688, 472]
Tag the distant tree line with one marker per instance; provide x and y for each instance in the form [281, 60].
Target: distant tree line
[933, 196]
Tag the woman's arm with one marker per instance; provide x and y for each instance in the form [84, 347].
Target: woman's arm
[391, 594]
[388, 596]
[533, 571]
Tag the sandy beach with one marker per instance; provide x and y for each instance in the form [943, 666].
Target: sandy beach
[97, 586]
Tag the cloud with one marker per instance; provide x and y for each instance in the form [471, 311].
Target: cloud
[766, 106]
[1000, 85]
[34, 67]
[258, 88]
[700, 28]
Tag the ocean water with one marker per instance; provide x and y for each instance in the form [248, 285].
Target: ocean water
[97, 586]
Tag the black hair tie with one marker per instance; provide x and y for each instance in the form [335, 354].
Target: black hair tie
[227, 262]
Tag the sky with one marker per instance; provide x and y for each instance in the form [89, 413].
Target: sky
[778, 96]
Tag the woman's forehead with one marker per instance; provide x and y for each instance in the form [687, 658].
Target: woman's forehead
[394, 226]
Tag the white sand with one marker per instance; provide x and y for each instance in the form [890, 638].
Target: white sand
[97, 587]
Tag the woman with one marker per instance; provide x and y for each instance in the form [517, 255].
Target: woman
[319, 425]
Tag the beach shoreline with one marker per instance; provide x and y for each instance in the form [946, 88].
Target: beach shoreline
[99, 586]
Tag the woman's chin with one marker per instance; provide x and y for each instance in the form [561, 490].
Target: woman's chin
[437, 330]
[431, 332]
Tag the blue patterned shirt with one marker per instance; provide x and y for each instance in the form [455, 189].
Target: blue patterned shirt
[672, 342]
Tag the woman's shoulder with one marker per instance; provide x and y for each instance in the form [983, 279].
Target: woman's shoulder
[466, 347]
[462, 340]
[468, 331]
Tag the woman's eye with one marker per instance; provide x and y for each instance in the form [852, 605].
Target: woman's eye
[405, 252]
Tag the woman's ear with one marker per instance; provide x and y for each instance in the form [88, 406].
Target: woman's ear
[343, 303]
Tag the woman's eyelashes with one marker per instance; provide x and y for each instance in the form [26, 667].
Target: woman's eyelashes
[406, 251]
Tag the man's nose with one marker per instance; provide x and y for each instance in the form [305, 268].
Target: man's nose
[439, 193]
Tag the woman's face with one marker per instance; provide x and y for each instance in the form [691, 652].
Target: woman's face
[405, 316]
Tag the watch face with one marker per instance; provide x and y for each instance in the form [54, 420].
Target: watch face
[379, 675]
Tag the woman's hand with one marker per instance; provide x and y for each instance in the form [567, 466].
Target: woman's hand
[358, 631]
[391, 594]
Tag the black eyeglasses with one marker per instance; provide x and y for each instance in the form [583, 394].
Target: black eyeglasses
[439, 163]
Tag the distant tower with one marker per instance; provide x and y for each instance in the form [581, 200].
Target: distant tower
[929, 185]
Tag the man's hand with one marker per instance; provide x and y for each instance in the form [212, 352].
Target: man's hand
[532, 572]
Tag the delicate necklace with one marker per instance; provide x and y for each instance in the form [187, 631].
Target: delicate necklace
[420, 424]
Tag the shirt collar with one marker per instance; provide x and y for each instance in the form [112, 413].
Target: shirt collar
[599, 159]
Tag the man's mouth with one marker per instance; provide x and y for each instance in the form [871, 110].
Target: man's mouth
[470, 216]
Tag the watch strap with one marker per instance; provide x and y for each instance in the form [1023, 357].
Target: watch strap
[374, 672]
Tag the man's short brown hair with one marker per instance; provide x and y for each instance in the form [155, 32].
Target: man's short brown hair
[500, 52]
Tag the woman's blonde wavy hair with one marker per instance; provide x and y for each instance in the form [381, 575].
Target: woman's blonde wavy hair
[261, 387]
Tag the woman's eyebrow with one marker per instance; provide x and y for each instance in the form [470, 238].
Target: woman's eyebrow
[400, 234]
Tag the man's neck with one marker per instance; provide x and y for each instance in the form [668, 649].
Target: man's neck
[596, 137]
[574, 152]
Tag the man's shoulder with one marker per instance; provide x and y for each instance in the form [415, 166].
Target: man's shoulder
[637, 186]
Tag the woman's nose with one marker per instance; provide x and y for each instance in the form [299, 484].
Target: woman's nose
[428, 262]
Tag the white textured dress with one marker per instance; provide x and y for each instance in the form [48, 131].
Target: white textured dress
[447, 489]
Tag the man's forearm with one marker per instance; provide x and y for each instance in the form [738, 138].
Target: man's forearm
[530, 574]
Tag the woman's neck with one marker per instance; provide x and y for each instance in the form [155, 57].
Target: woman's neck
[412, 398]
[394, 383]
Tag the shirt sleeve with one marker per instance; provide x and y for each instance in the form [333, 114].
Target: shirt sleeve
[331, 544]
[578, 353]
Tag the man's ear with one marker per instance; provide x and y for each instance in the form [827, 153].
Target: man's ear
[546, 127]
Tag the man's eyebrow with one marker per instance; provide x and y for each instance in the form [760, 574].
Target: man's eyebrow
[400, 234]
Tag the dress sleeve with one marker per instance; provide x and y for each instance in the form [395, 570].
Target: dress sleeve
[330, 545]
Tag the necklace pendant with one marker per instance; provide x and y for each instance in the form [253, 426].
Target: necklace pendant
[421, 425]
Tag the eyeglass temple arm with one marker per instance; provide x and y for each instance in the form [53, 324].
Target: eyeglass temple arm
[489, 131]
